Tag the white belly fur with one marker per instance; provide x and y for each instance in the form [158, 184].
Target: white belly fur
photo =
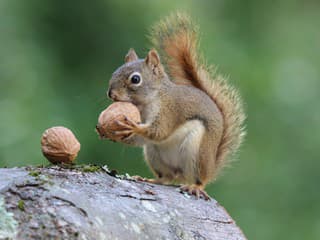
[181, 149]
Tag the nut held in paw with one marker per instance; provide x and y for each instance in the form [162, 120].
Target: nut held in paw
[118, 111]
[59, 145]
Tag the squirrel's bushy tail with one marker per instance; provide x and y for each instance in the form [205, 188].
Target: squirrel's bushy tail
[176, 39]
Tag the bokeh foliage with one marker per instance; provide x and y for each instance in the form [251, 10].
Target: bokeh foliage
[56, 58]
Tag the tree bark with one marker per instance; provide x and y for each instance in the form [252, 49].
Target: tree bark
[94, 203]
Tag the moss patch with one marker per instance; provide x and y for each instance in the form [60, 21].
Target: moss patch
[21, 205]
[34, 173]
[90, 168]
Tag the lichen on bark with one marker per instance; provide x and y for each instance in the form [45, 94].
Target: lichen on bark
[8, 225]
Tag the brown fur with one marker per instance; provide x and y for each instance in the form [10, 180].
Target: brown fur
[176, 39]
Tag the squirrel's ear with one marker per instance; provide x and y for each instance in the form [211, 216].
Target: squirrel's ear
[153, 58]
[131, 56]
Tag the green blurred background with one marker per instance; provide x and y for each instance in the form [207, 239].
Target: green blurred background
[56, 58]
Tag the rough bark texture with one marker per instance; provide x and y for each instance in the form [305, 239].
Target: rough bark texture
[59, 203]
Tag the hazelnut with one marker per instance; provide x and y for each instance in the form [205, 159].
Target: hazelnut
[118, 111]
[59, 145]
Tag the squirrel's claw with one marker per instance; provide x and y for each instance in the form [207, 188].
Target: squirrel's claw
[123, 132]
[131, 123]
[195, 190]
[124, 125]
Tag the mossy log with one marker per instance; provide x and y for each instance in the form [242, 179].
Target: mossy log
[94, 203]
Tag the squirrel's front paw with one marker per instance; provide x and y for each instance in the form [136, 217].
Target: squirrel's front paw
[130, 128]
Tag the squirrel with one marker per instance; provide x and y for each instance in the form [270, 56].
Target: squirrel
[192, 119]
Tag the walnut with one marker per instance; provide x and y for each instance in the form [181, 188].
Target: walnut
[118, 111]
[59, 145]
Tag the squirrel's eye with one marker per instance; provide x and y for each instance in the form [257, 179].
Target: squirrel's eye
[135, 78]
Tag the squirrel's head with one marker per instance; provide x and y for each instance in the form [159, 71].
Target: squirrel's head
[138, 80]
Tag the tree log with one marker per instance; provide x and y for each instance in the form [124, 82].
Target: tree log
[94, 203]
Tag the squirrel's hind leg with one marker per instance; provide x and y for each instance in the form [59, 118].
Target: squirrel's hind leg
[206, 168]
